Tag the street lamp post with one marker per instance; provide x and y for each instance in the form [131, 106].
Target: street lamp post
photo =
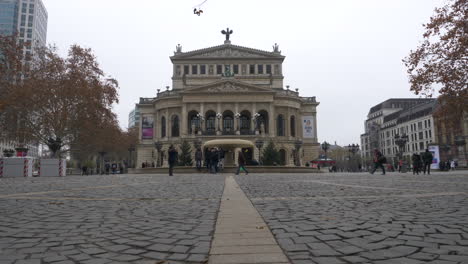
[259, 145]
[401, 143]
[130, 150]
[325, 147]
[298, 145]
[158, 146]
[353, 149]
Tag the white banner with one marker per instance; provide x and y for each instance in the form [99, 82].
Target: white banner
[436, 156]
[308, 127]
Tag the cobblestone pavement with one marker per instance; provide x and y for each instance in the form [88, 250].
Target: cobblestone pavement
[362, 218]
[316, 218]
[108, 219]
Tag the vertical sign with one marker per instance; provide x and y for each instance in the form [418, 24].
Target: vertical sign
[436, 156]
[307, 127]
[147, 127]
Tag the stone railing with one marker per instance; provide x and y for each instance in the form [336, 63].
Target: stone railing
[308, 99]
[168, 93]
[287, 93]
[146, 100]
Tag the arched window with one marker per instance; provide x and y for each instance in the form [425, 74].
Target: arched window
[193, 121]
[262, 119]
[175, 126]
[210, 122]
[280, 126]
[163, 127]
[228, 121]
[282, 154]
[244, 123]
[292, 124]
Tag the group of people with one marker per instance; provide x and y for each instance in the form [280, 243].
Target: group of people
[214, 160]
[422, 162]
[448, 165]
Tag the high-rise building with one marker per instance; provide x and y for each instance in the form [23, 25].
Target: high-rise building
[27, 18]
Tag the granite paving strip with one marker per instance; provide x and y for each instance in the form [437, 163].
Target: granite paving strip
[241, 235]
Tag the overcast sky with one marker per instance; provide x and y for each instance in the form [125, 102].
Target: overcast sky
[347, 53]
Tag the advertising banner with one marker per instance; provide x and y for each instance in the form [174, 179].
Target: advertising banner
[147, 127]
[307, 126]
[436, 156]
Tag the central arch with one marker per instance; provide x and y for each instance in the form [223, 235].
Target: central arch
[230, 146]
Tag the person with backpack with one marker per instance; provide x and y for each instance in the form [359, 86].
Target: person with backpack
[427, 160]
[379, 160]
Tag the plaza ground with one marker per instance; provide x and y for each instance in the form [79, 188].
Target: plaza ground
[259, 218]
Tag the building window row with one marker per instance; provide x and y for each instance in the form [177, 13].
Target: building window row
[219, 69]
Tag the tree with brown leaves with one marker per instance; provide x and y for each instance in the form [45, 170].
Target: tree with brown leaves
[54, 97]
[441, 61]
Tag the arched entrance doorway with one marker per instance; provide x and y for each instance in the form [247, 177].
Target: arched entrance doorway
[230, 146]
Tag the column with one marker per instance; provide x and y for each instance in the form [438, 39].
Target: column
[168, 122]
[202, 111]
[236, 120]
[156, 123]
[315, 126]
[219, 121]
[287, 124]
[271, 115]
[252, 120]
[184, 122]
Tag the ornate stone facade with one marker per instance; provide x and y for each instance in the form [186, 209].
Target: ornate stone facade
[228, 92]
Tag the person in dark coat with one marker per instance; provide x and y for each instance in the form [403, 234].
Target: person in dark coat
[198, 159]
[214, 159]
[416, 163]
[378, 161]
[241, 163]
[427, 159]
[173, 156]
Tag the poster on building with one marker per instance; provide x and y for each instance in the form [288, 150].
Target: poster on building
[436, 156]
[147, 127]
[307, 127]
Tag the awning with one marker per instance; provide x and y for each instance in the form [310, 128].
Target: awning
[229, 143]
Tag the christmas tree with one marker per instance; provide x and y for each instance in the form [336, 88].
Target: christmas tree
[185, 157]
[270, 155]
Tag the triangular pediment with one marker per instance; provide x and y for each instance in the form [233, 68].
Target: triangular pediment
[228, 86]
[227, 51]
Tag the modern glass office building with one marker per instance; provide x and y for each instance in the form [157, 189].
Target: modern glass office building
[8, 16]
[27, 18]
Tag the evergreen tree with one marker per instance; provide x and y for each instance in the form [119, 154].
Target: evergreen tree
[270, 155]
[185, 157]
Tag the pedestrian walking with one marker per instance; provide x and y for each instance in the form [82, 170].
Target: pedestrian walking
[241, 163]
[452, 165]
[198, 159]
[427, 159]
[379, 160]
[173, 157]
[416, 163]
